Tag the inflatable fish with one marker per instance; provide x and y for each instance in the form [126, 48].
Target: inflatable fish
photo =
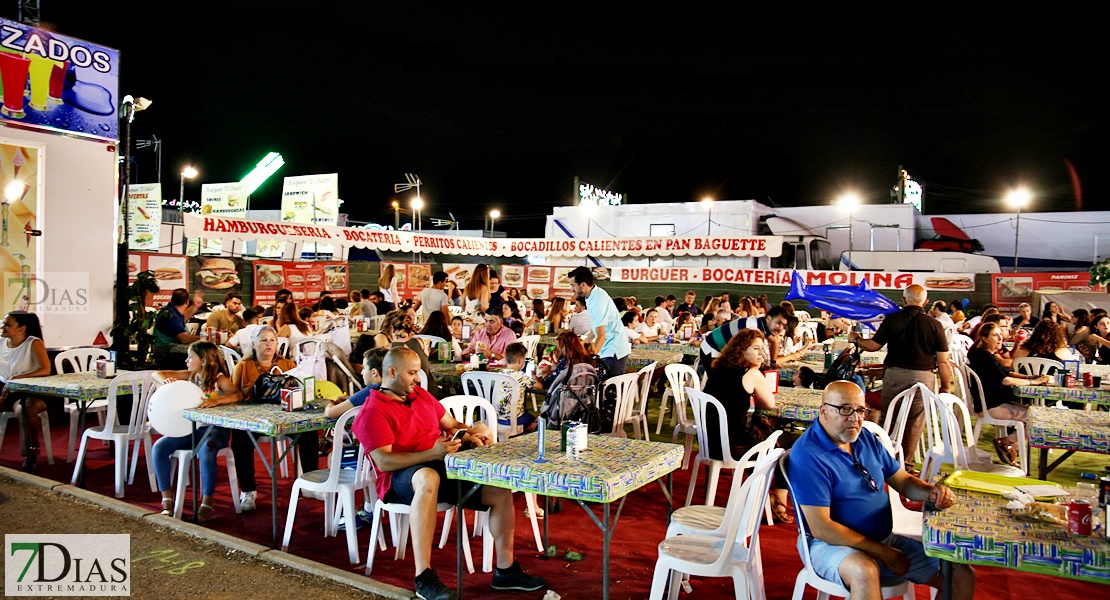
[859, 303]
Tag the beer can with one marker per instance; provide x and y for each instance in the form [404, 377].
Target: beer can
[1079, 517]
[1088, 379]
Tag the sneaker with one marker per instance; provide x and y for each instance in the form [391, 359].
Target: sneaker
[429, 587]
[247, 500]
[514, 578]
[361, 518]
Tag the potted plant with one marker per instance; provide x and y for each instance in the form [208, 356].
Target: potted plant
[1100, 273]
[136, 330]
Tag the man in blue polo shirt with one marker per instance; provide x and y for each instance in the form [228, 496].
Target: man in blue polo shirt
[609, 341]
[837, 470]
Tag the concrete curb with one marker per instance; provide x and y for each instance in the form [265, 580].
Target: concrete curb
[285, 559]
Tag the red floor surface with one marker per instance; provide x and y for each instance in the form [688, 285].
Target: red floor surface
[641, 527]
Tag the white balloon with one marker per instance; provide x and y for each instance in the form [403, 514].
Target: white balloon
[166, 404]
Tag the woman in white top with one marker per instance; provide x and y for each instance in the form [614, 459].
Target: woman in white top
[476, 294]
[387, 285]
[649, 329]
[294, 327]
[23, 354]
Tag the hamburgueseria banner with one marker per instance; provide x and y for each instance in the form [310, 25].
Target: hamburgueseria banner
[407, 241]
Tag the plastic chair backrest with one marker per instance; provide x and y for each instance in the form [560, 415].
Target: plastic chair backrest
[975, 387]
[627, 390]
[681, 376]
[488, 385]
[468, 409]
[702, 403]
[141, 385]
[747, 499]
[312, 345]
[898, 413]
[231, 357]
[1028, 365]
[884, 439]
[79, 360]
[941, 411]
[647, 373]
[283, 347]
[433, 340]
[530, 342]
[343, 436]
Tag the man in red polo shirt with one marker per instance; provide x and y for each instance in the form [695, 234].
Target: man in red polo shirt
[403, 426]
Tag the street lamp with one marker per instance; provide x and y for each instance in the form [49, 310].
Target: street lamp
[128, 108]
[849, 202]
[493, 215]
[708, 202]
[187, 173]
[412, 180]
[396, 215]
[417, 206]
[1017, 199]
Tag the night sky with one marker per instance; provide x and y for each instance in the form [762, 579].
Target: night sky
[503, 109]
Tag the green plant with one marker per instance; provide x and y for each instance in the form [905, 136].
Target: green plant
[139, 321]
[1100, 272]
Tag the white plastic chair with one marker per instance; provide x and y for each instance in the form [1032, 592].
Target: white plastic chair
[945, 442]
[808, 577]
[680, 376]
[77, 360]
[530, 342]
[627, 387]
[897, 415]
[639, 418]
[1029, 365]
[310, 345]
[283, 347]
[1001, 425]
[735, 554]
[702, 403]
[376, 322]
[490, 385]
[433, 340]
[231, 358]
[137, 430]
[46, 439]
[334, 482]
[183, 474]
[907, 523]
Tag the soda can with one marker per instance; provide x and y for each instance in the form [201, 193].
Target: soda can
[1104, 491]
[670, 338]
[1079, 517]
[1088, 379]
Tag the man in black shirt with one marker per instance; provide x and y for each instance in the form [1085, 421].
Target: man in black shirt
[917, 352]
[690, 305]
[496, 292]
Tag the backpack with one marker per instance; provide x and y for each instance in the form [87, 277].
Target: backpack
[843, 368]
[573, 397]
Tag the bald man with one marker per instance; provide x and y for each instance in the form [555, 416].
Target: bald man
[837, 470]
[403, 427]
[917, 352]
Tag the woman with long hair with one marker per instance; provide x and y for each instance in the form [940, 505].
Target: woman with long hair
[23, 354]
[387, 285]
[1053, 313]
[1082, 320]
[705, 304]
[402, 328]
[294, 328]
[556, 313]
[734, 378]
[326, 308]
[438, 326]
[510, 313]
[745, 308]
[205, 367]
[1048, 340]
[1100, 338]
[532, 323]
[263, 358]
[570, 351]
[476, 294]
[998, 381]
[454, 294]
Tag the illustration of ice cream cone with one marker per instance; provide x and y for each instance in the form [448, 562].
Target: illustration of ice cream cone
[17, 162]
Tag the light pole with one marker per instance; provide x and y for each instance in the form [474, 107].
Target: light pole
[412, 180]
[186, 173]
[396, 215]
[1018, 198]
[128, 108]
[708, 202]
[493, 215]
[849, 202]
[417, 206]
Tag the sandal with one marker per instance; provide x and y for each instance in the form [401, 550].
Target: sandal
[204, 512]
[780, 511]
[1007, 452]
[167, 507]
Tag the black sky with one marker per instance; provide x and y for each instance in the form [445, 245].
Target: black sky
[502, 109]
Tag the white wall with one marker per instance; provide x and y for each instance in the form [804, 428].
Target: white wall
[77, 216]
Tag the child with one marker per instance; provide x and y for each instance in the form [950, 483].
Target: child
[804, 377]
[630, 321]
[371, 375]
[515, 356]
[241, 341]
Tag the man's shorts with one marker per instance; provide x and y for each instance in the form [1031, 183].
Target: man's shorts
[826, 560]
[402, 492]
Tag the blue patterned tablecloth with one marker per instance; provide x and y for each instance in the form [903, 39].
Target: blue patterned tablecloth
[1064, 429]
[978, 531]
[797, 404]
[264, 419]
[83, 387]
[610, 469]
[1052, 393]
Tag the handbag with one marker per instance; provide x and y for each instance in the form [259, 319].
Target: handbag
[267, 388]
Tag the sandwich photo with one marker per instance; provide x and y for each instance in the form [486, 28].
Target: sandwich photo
[337, 281]
[167, 274]
[144, 238]
[949, 283]
[1014, 287]
[294, 278]
[421, 276]
[539, 275]
[269, 275]
[538, 291]
[218, 274]
[562, 278]
[298, 295]
[512, 277]
[314, 277]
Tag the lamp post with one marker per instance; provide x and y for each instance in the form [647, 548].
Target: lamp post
[1018, 198]
[708, 202]
[396, 215]
[412, 180]
[417, 206]
[186, 173]
[493, 215]
[128, 108]
[849, 202]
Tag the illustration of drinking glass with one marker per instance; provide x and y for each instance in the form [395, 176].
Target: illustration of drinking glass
[57, 81]
[40, 70]
[14, 69]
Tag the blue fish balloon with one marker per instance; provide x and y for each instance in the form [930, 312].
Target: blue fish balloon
[859, 303]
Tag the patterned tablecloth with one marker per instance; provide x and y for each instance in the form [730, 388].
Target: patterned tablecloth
[1063, 429]
[642, 358]
[610, 469]
[798, 404]
[82, 387]
[978, 531]
[264, 419]
[787, 370]
[1051, 393]
[549, 340]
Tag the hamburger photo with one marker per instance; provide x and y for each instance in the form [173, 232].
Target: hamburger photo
[144, 238]
[218, 274]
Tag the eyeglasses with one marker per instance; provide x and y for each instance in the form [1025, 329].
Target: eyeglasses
[863, 471]
[847, 411]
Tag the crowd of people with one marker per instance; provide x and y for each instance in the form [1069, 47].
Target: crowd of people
[407, 432]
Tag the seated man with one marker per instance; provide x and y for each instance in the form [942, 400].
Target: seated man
[837, 470]
[492, 339]
[228, 318]
[169, 329]
[403, 427]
